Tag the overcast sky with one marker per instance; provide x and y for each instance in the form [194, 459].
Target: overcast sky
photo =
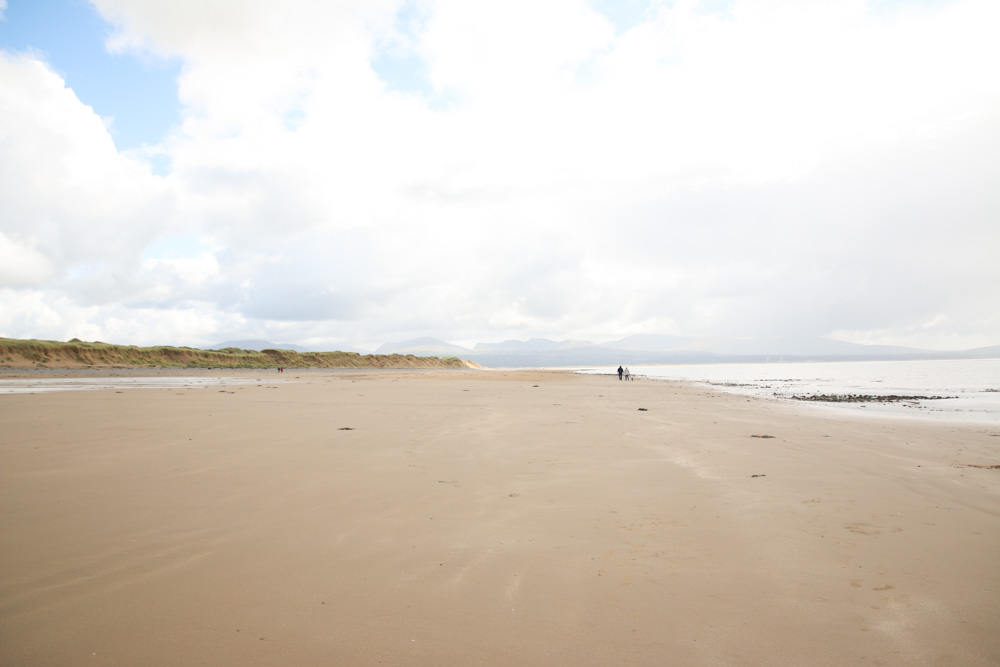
[356, 172]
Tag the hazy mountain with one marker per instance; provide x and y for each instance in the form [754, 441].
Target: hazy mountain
[798, 347]
[532, 345]
[257, 345]
[649, 342]
[793, 347]
[425, 347]
[662, 349]
[587, 356]
[268, 345]
[991, 352]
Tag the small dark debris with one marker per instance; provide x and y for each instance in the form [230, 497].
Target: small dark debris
[758, 475]
[762, 436]
[643, 410]
[346, 428]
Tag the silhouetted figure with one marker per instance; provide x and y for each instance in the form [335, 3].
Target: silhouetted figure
[620, 371]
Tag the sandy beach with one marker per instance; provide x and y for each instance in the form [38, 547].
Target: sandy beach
[489, 518]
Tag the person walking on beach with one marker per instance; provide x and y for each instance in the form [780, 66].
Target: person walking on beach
[628, 375]
[620, 371]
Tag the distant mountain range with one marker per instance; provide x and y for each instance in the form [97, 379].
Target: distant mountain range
[424, 347]
[660, 349]
[644, 349]
[259, 345]
[533, 345]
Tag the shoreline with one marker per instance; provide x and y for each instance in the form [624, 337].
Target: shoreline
[820, 408]
[965, 392]
[919, 414]
[489, 517]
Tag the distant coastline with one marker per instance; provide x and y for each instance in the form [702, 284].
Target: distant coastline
[661, 349]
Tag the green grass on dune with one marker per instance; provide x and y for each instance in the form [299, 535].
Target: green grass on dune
[34, 353]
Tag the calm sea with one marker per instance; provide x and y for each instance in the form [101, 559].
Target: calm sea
[972, 385]
[41, 385]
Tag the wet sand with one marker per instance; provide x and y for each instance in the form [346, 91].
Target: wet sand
[490, 518]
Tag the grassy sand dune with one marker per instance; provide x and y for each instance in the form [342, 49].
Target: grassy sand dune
[76, 353]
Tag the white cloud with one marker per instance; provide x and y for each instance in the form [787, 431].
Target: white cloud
[747, 169]
[42, 314]
[65, 191]
[21, 265]
[516, 54]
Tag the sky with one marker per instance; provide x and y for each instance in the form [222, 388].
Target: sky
[346, 174]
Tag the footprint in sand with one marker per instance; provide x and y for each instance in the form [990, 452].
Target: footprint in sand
[863, 529]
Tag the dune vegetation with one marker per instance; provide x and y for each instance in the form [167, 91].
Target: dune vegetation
[16, 353]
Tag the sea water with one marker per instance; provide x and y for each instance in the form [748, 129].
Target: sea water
[46, 385]
[971, 386]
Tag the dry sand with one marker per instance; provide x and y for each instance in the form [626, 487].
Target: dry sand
[489, 518]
